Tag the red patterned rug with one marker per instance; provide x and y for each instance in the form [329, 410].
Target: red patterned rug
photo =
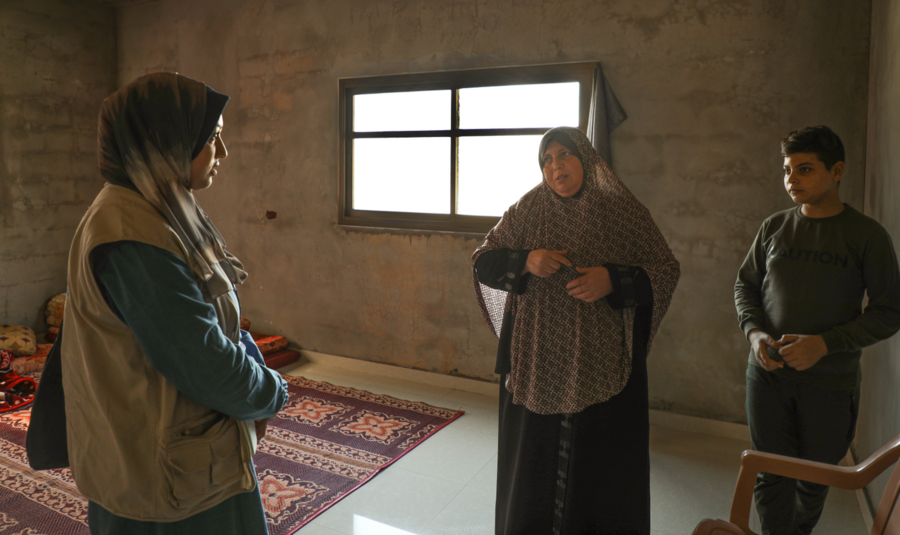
[326, 442]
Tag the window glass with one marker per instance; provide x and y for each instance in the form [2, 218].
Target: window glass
[410, 111]
[451, 150]
[519, 106]
[402, 175]
[494, 171]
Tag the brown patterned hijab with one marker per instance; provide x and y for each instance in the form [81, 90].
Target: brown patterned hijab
[567, 354]
[148, 130]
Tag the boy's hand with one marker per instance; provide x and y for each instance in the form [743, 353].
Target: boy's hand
[801, 351]
[759, 341]
[544, 263]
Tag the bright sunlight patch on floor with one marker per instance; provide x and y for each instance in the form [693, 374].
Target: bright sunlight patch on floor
[367, 526]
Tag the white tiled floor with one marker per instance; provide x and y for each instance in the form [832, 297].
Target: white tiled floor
[446, 485]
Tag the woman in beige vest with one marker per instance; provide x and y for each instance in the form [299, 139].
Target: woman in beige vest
[162, 387]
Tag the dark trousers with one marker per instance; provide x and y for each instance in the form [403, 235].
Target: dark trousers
[606, 478]
[799, 420]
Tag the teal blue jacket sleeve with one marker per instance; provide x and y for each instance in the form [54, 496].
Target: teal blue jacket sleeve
[154, 293]
[251, 348]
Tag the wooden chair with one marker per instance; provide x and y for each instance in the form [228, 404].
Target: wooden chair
[887, 517]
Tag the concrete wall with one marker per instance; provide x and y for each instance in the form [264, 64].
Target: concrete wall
[710, 87]
[57, 64]
[880, 402]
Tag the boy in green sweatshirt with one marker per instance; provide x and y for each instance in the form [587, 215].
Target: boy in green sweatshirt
[799, 297]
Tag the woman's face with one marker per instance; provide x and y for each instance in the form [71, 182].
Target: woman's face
[203, 168]
[562, 170]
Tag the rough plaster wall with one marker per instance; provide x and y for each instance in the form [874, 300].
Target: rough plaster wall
[57, 63]
[710, 88]
[879, 417]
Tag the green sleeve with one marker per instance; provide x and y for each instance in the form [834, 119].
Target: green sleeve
[881, 317]
[748, 287]
[154, 293]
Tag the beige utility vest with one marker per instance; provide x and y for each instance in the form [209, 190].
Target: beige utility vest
[137, 446]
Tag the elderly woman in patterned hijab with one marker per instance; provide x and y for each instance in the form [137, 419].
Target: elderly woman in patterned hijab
[162, 388]
[574, 281]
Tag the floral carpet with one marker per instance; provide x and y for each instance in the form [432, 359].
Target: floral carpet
[326, 442]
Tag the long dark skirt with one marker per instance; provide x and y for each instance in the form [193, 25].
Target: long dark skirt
[587, 472]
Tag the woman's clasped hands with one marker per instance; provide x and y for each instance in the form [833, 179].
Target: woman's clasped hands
[594, 283]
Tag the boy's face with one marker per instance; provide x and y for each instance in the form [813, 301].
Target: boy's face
[807, 180]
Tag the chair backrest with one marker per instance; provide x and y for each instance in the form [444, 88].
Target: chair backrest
[887, 516]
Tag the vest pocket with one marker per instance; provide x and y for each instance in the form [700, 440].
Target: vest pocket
[202, 457]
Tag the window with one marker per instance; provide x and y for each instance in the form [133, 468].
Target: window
[451, 151]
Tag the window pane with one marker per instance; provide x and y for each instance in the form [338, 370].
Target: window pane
[411, 110]
[495, 171]
[402, 175]
[519, 106]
